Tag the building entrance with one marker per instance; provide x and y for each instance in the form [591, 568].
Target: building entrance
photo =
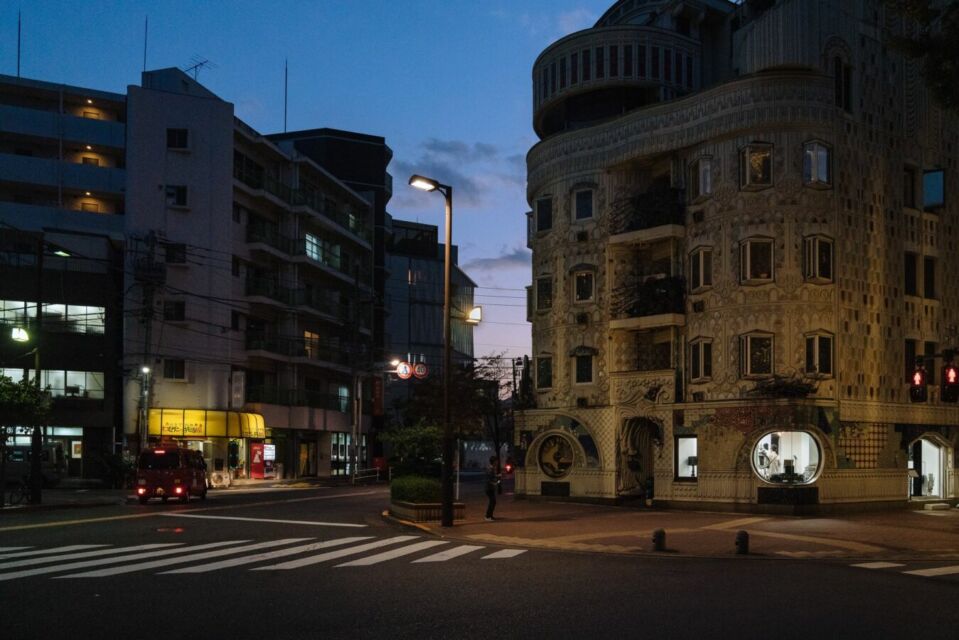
[635, 456]
[925, 469]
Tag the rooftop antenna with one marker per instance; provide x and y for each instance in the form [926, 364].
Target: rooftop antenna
[146, 33]
[199, 63]
[18, 43]
[286, 84]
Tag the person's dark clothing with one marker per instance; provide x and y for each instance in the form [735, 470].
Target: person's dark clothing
[492, 480]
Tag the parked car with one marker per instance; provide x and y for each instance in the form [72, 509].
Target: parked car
[166, 472]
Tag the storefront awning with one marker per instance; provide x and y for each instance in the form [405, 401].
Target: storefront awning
[203, 423]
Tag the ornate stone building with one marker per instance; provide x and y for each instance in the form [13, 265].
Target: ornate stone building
[743, 219]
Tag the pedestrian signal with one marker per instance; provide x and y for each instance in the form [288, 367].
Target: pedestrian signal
[950, 383]
[917, 388]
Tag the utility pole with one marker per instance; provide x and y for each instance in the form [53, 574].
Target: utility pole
[36, 440]
[149, 274]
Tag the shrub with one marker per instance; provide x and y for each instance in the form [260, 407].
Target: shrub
[415, 489]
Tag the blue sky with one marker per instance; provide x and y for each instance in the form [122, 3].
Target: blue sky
[446, 82]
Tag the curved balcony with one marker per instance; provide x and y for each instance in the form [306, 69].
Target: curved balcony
[648, 304]
[600, 73]
[646, 217]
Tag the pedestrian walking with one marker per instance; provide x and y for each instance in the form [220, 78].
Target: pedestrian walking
[492, 482]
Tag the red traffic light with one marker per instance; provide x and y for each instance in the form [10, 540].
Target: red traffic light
[950, 374]
[918, 377]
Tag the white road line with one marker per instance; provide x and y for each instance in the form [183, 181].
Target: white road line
[394, 553]
[85, 554]
[153, 564]
[5, 549]
[316, 524]
[935, 571]
[878, 565]
[72, 547]
[333, 555]
[449, 554]
[505, 553]
[235, 562]
[116, 560]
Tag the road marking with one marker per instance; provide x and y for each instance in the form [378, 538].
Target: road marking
[878, 565]
[935, 571]
[153, 564]
[505, 553]
[316, 524]
[72, 547]
[86, 554]
[333, 555]
[394, 553]
[235, 562]
[5, 549]
[115, 560]
[842, 544]
[449, 554]
[735, 524]
[64, 523]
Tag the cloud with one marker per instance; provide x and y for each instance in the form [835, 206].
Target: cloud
[515, 258]
[575, 20]
[467, 190]
[550, 26]
[460, 151]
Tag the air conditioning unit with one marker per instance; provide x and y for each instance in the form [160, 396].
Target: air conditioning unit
[582, 236]
[582, 403]
[582, 318]
[699, 306]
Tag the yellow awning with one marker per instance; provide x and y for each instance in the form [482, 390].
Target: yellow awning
[203, 423]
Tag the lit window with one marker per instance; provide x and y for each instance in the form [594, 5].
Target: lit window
[756, 166]
[701, 268]
[756, 260]
[544, 372]
[756, 355]
[700, 179]
[819, 354]
[817, 259]
[583, 204]
[817, 165]
[583, 286]
[314, 248]
[176, 195]
[584, 369]
[687, 459]
[787, 457]
[544, 214]
[544, 293]
[933, 189]
[177, 139]
[701, 359]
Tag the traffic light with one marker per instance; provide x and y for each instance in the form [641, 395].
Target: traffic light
[508, 468]
[950, 383]
[917, 388]
[233, 454]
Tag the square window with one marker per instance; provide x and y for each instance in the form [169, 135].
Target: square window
[756, 260]
[177, 139]
[544, 372]
[176, 195]
[175, 253]
[755, 166]
[584, 369]
[756, 355]
[819, 348]
[174, 369]
[701, 269]
[817, 259]
[91, 161]
[701, 359]
[314, 247]
[544, 214]
[583, 204]
[583, 286]
[817, 168]
[687, 458]
[174, 310]
[544, 293]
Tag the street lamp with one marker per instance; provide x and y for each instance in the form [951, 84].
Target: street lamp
[428, 184]
[144, 406]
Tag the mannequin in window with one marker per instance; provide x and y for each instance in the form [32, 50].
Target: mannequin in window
[774, 466]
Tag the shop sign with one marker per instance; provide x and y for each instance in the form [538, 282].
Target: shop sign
[269, 460]
[257, 466]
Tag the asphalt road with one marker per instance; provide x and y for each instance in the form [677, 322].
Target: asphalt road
[321, 563]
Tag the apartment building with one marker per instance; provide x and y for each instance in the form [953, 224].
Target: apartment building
[742, 220]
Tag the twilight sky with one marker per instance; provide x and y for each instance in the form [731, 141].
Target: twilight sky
[446, 82]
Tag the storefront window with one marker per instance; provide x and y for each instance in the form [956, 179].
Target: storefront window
[687, 459]
[787, 457]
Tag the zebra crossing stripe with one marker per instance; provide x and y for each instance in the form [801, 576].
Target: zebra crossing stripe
[449, 554]
[84, 554]
[270, 555]
[5, 549]
[165, 562]
[935, 571]
[333, 555]
[72, 547]
[115, 560]
[505, 553]
[878, 565]
[393, 553]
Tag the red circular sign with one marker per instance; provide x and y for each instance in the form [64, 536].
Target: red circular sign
[420, 370]
[404, 371]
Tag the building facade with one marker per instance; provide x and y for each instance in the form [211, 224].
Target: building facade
[741, 226]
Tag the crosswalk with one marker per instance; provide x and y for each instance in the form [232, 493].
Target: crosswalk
[899, 567]
[104, 560]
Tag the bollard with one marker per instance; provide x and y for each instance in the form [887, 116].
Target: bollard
[659, 540]
[742, 542]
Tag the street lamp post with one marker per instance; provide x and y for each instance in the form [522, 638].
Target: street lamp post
[428, 184]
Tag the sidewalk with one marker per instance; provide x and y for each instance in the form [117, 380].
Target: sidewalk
[567, 526]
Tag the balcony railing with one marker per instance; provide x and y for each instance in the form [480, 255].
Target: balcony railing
[311, 349]
[651, 297]
[260, 180]
[269, 289]
[268, 235]
[298, 398]
[654, 208]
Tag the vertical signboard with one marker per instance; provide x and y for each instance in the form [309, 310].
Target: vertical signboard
[257, 465]
[269, 460]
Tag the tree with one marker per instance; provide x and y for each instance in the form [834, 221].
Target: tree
[21, 404]
[933, 44]
[415, 448]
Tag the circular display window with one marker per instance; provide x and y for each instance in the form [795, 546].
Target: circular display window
[787, 457]
[555, 456]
